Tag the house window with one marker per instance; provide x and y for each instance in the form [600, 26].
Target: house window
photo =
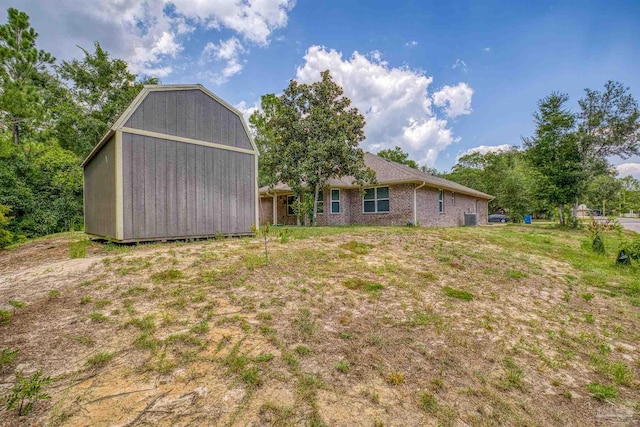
[441, 201]
[453, 198]
[291, 201]
[335, 201]
[375, 200]
[320, 202]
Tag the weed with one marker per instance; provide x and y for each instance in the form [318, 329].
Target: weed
[235, 362]
[251, 377]
[516, 274]
[85, 300]
[343, 367]
[375, 339]
[305, 322]
[135, 290]
[264, 357]
[302, 350]
[357, 247]
[345, 335]
[128, 306]
[395, 378]
[101, 303]
[147, 341]
[457, 293]
[603, 392]
[428, 402]
[200, 328]
[54, 293]
[587, 296]
[513, 375]
[276, 415]
[5, 317]
[184, 338]
[98, 317]
[289, 359]
[78, 249]
[7, 357]
[146, 323]
[356, 283]
[83, 340]
[166, 276]
[100, 359]
[16, 304]
[372, 395]
[589, 318]
[424, 318]
[27, 391]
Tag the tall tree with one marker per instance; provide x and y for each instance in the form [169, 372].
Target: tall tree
[399, 156]
[308, 135]
[608, 125]
[99, 90]
[554, 152]
[21, 69]
[603, 189]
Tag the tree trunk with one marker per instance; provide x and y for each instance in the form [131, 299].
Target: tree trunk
[561, 213]
[299, 210]
[315, 205]
[603, 209]
[16, 132]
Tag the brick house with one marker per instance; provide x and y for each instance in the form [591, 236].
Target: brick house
[402, 195]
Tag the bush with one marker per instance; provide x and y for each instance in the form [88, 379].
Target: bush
[26, 392]
[6, 237]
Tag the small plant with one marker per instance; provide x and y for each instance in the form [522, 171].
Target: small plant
[513, 376]
[251, 377]
[101, 303]
[264, 233]
[135, 290]
[27, 391]
[357, 247]
[595, 229]
[588, 317]
[16, 304]
[428, 402]
[98, 317]
[264, 357]
[85, 300]
[343, 367]
[603, 392]
[100, 359]
[78, 249]
[54, 293]
[145, 324]
[7, 357]
[165, 276]
[356, 283]
[587, 296]
[200, 328]
[5, 317]
[395, 378]
[302, 350]
[516, 274]
[457, 293]
[305, 322]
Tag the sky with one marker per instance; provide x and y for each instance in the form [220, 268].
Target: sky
[437, 78]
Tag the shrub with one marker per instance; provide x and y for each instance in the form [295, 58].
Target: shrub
[457, 293]
[27, 391]
[6, 238]
[603, 392]
[7, 356]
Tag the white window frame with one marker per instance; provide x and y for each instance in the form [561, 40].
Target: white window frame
[292, 205]
[320, 202]
[441, 201]
[376, 199]
[331, 201]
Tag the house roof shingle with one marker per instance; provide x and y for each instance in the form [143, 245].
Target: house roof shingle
[389, 172]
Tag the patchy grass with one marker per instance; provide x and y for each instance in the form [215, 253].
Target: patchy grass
[374, 318]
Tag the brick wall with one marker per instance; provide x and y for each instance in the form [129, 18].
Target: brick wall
[341, 218]
[453, 215]
[400, 207]
[266, 210]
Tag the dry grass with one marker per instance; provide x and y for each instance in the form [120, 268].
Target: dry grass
[483, 326]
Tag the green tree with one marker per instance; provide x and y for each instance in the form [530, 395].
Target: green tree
[399, 156]
[92, 94]
[603, 189]
[630, 194]
[308, 135]
[608, 125]
[6, 237]
[22, 67]
[555, 154]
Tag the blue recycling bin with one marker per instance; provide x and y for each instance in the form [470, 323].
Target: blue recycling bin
[527, 219]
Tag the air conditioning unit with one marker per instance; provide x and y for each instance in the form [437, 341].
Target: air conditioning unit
[471, 219]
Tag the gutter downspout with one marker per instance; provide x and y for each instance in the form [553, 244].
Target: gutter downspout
[415, 203]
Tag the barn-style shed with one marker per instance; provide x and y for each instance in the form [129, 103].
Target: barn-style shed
[179, 163]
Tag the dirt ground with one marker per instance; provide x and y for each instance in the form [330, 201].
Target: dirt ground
[351, 327]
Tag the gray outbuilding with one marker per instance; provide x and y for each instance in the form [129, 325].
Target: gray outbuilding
[179, 163]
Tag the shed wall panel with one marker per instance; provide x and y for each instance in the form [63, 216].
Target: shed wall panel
[100, 192]
[190, 114]
[177, 189]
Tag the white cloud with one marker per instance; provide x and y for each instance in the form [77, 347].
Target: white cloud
[460, 64]
[150, 34]
[247, 110]
[487, 49]
[411, 43]
[395, 101]
[625, 169]
[456, 99]
[484, 149]
[228, 51]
